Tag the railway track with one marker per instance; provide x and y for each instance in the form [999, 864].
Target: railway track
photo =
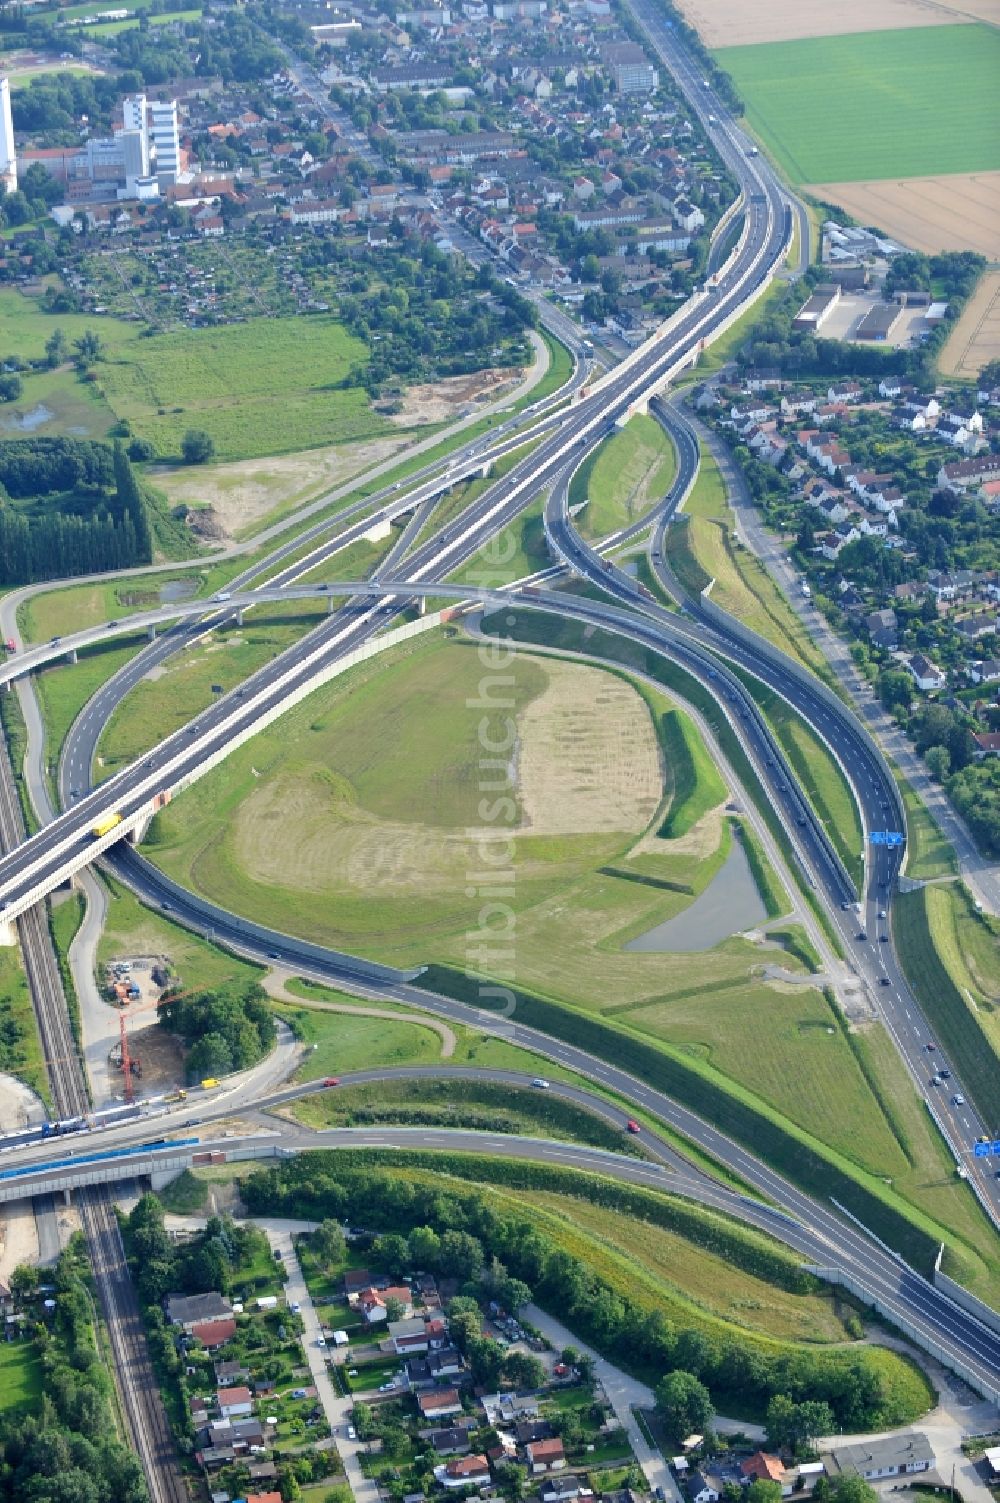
[145, 1417]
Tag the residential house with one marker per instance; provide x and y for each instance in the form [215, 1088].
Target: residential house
[228, 1374]
[463, 1471]
[889, 1456]
[927, 674]
[844, 391]
[883, 628]
[968, 474]
[234, 1402]
[986, 672]
[563, 1488]
[545, 1455]
[987, 745]
[189, 1310]
[763, 1467]
[702, 1489]
[973, 627]
[450, 1442]
[214, 1333]
[439, 1404]
[271, 1497]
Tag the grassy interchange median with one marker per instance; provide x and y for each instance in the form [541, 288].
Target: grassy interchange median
[354, 822]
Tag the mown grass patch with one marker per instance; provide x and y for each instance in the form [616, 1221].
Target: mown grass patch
[65, 689]
[928, 853]
[875, 104]
[21, 1375]
[623, 477]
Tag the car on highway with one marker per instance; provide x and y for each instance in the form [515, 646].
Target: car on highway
[884, 981]
[958, 1099]
[542, 1085]
[632, 1125]
[945, 1074]
[861, 934]
[273, 955]
[930, 1045]
[331, 1080]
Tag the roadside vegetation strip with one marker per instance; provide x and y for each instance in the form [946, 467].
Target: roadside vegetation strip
[64, 689]
[623, 478]
[21, 1052]
[935, 929]
[888, 104]
[817, 770]
[16, 734]
[591, 1284]
[772, 893]
[796, 941]
[733, 1109]
[697, 786]
[474, 1105]
[929, 854]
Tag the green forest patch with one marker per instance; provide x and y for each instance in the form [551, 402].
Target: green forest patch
[876, 104]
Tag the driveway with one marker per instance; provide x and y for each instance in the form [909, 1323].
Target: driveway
[336, 1408]
[625, 1394]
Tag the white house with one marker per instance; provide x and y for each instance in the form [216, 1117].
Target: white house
[702, 1489]
[927, 674]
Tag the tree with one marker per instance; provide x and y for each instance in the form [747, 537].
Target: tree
[522, 1370]
[56, 348]
[197, 446]
[938, 761]
[24, 1282]
[11, 387]
[89, 348]
[391, 1252]
[327, 1242]
[763, 1490]
[684, 1403]
[394, 1308]
[210, 1056]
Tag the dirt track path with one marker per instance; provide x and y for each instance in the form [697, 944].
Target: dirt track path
[274, 985]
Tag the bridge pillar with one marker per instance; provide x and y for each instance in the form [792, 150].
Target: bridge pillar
[67, 1196]
[239, 616]
[151, 632]
[73, 656]
[330, 603]
[8, 932]
[137, 834]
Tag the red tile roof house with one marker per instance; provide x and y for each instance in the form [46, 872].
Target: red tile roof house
[443, 1401]
[760, 1467]
[463, 1471]
[214, 1333]
[545, 1455]
[264, 1498]
[233, 1402]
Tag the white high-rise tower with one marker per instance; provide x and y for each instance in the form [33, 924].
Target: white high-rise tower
[134, 121]
[165, 136]
[8, 156]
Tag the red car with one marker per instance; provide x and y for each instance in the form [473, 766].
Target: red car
[331, 1080]
[631, 1125]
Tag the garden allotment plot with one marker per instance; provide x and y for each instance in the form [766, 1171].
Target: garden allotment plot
[875, 105]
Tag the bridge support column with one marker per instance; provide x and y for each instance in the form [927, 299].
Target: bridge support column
[8, 932]
[67, 1196]
[151, 633]
[137, 834]
[239, 616]
[330, 603]
[74, 656]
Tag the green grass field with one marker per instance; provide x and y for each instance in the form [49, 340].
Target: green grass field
[623, 478]
[112, 28]
[697, 786]
[876, 104]
[22, 1057]
[928, 853]
[20, 1375]
[133, 929]
[266, 387]
[64, 690]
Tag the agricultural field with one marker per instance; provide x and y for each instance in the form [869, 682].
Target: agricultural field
[975, 339]
[741, 23]
[954, 212]
[224, 380]
[882, 104]
[625, 476]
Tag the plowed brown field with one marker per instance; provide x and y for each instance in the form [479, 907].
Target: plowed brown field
[740, 23]
[960, 211]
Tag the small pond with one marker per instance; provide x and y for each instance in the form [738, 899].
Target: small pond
[729, 904]
[25, 422]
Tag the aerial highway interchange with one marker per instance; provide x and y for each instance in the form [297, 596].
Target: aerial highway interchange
[696, 636]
